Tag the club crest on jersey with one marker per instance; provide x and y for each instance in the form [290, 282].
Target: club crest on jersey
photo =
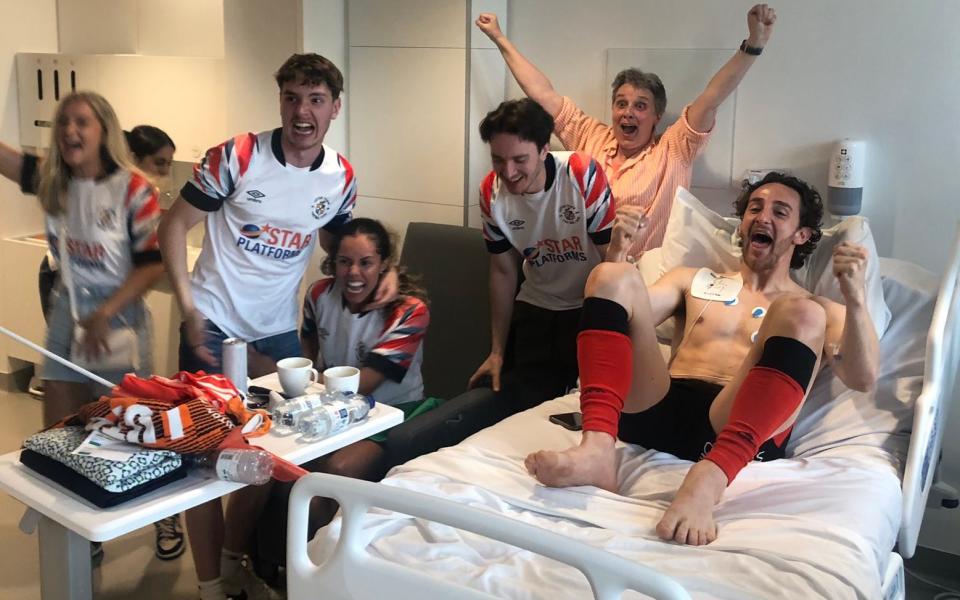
[320, 207]
[569, 214]
[107, 219]
[273, 242]
[361, 351]
[555, 251]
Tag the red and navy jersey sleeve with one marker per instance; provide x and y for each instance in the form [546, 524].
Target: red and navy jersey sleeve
[497, 243]
[402, 335]
[143, 214]
[216, 177]
[599, 210]
[29, 174]
[308, 325]
[348, 194]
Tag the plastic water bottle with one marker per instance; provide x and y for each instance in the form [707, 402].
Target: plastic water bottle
[335, 416]
[239, 465]
[287, 415]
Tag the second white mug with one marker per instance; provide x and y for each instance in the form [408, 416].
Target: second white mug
[342, 379]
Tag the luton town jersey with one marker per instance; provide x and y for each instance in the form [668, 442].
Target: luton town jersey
[388, 341]
[557, 230]
[262, 224]
[110, 225]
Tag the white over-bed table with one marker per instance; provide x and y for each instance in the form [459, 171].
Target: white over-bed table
[67, 523]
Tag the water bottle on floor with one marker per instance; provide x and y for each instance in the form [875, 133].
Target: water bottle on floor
[239, 465]
[335, 416]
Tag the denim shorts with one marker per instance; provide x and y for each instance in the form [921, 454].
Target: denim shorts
[60, 334]
[277, 347]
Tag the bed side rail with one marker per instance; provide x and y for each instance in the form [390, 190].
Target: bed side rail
[939, 376]
[351, 572]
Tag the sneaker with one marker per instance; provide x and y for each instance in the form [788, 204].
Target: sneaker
[35, 387]
[169, 538]
[241, 582]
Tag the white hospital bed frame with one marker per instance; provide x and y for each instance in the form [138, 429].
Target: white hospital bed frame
[352, 573]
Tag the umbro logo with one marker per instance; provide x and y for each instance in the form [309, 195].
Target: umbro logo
[516, 224]
[256, 195]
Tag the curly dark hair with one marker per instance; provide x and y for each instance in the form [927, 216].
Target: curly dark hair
[811, 210]
[523, 118]
[311, 69]
[642, 81]
[385, 243]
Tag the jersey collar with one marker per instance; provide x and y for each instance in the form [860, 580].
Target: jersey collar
[278, 150]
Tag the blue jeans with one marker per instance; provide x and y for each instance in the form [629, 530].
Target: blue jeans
[277, 347]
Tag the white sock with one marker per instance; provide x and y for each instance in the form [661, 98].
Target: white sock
[230, 569]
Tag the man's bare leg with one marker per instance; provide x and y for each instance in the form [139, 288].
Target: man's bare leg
[593, 461]
[689, 518]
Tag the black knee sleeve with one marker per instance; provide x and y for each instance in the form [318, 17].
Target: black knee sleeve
[789, 356]
[600, 313]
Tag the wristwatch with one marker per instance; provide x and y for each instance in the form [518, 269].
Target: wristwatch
[751, 50]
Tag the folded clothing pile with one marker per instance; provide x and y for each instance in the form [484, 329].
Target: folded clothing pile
[101, 481]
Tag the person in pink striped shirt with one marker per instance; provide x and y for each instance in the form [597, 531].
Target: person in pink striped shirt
[643, 169]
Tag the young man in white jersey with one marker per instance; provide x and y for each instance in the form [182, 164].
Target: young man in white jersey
[266, 200]
[552, 211]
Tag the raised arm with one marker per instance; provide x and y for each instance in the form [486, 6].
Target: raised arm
[851, 346]
[702, 112]
[11, 161]
[531, 80]
[503, 287]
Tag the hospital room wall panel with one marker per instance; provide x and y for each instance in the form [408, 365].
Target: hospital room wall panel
[473, 216]
[407, 123]
[396, 214]
[407, 24]
[487, 75]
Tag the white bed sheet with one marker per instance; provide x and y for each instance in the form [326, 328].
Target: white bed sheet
[795, 528]
[820, 525]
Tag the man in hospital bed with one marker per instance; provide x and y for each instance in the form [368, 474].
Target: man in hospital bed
[746, 349]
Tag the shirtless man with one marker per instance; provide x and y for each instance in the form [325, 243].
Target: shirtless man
[747, 347]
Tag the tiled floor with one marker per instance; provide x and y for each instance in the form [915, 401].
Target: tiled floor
[130, 570]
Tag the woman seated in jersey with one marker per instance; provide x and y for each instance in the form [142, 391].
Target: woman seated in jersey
[385, 344]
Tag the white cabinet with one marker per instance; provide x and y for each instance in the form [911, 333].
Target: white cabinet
[184, 96]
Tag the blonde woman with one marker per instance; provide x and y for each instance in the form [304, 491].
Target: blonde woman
[107, 211]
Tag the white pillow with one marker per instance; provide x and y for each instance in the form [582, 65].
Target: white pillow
[698, 237]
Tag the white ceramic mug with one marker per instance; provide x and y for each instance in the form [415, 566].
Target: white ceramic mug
[296, 374]
[342, 379]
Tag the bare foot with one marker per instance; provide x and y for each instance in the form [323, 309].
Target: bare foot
[689, 519]
[593, 462]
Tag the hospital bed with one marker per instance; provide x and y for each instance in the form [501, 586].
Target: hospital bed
[833, 521]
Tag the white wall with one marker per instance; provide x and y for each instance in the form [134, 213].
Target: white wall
[24, 27]
[152, 27]
[875, 70]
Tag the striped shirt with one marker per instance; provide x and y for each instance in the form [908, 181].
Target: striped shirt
[650, 178]
[556, 230]
[389, 341]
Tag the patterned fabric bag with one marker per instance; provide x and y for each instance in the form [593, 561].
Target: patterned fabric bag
[146, 465]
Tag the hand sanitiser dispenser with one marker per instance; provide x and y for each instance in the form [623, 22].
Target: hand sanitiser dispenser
[845, 180]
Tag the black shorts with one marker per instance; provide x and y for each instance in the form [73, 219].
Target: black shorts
[680, 423]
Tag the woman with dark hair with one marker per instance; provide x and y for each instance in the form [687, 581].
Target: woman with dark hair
[386, 344]
[152, 149]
